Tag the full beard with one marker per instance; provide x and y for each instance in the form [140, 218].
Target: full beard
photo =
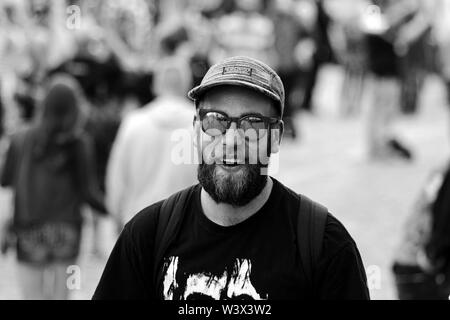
[236, 189]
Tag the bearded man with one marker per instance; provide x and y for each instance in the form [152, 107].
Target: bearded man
[238, 234]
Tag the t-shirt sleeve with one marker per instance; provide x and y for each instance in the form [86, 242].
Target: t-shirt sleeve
[341, 274]
[128, 271]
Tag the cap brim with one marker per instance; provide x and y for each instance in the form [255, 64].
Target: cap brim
[198, 91]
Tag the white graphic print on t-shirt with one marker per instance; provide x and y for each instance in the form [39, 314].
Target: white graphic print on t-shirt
[229, 285]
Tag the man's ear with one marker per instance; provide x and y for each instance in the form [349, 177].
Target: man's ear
[276, 137]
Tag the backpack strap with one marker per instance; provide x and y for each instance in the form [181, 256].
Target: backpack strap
[311, 222]
[170, 217]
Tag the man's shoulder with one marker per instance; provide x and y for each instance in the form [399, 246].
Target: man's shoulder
[336, 235]
[145, 221]
[335, 230]
[285, 191]
[337, 240]
[340, 264]
[290, 196]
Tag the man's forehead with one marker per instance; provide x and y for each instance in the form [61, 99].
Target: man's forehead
[237, 100]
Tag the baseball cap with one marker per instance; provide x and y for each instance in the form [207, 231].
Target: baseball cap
[243, 72]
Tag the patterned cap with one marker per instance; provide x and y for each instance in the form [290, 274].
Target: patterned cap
[244, 72]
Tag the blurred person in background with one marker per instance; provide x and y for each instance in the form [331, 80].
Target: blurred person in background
[96, 67]
[244, 29]
[412, 45]
[319, 20]
[421, 261]
[349, 46]
[437, 247]
[141, 169]
[185, 40]
[128, 27]
[93, 63]
[174, 40]
[439, 15]
[200, 32]
[295, 47]
[50, 42]
[15, 60]
[387, 33]
[50, 167]
[422, 264]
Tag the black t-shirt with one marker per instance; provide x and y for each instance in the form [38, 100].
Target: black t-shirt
[255, 259]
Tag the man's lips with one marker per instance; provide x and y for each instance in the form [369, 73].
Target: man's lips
[232, 162]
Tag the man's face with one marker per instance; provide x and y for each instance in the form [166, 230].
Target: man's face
[234, 163]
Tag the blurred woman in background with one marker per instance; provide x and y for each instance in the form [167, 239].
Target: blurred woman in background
[50, 167]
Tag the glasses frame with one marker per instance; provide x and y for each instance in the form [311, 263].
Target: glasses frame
[268, 121]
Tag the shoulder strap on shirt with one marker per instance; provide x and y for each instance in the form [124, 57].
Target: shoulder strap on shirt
[310, 232]
[169, 221]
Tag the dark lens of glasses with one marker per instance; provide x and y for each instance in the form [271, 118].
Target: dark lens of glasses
[214, 123]
[253, 127]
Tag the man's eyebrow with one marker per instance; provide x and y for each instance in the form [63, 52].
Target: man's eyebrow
[251, 114]
[240, 116]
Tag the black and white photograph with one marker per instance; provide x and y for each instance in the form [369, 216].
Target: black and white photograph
[245, 152]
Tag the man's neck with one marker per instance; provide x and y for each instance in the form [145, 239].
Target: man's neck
[226, 215]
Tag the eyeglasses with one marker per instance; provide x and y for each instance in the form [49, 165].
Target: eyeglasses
[254, 126]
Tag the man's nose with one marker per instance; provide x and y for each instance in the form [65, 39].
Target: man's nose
[232, 136]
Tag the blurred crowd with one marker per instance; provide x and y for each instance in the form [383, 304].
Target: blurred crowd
[117, 57]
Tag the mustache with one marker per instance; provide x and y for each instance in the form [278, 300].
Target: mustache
[239, 156]
[246, 162]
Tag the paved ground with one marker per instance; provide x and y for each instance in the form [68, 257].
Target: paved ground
[328, 164]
